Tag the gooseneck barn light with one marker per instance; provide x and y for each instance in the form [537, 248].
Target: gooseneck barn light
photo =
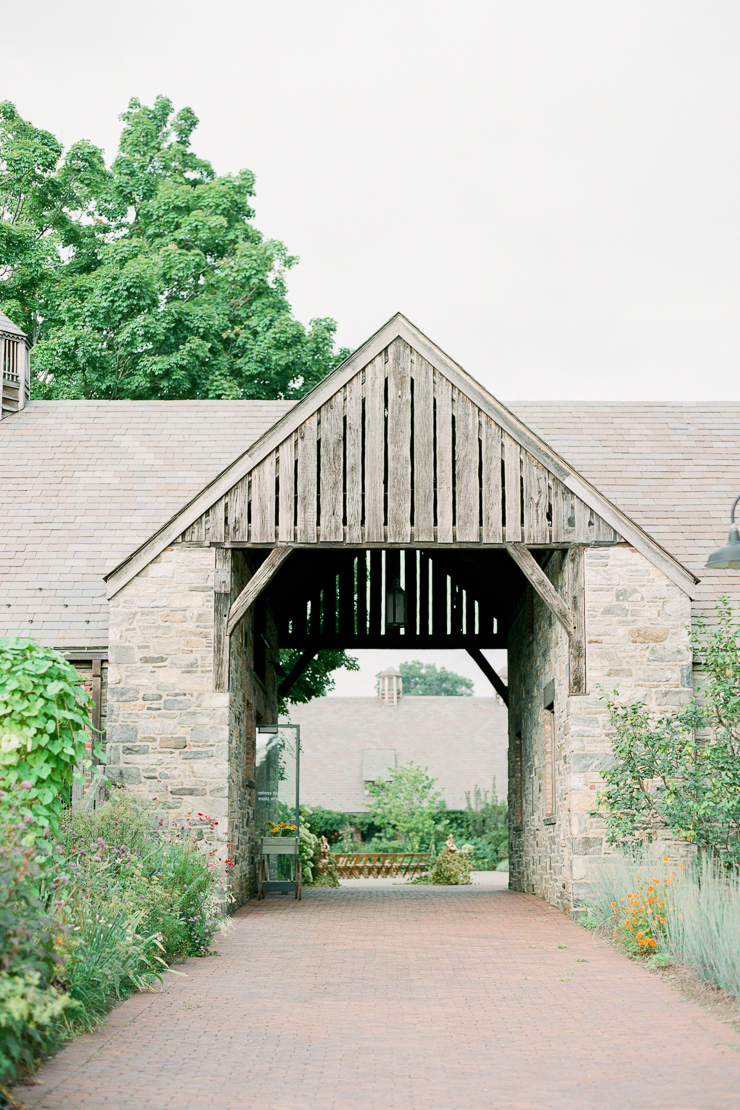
[395, 606]
[728, 557]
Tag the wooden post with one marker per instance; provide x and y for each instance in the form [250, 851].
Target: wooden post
[221, 606]
[290, 680]
[577, 605]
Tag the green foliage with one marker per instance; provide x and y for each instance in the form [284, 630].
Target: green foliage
[318, 678]
[29, 1012]
[146, 278]
[484, 825]
[452, 866]
[44, 718]
[681, 773]
[407, 807]
[327, 822]
[426, 680]
[308, 846]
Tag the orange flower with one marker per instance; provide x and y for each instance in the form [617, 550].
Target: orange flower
[652, 943]
[665, 859]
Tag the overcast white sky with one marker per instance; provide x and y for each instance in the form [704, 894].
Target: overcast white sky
[549, 189]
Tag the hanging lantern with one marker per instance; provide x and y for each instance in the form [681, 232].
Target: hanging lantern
[395, 606]
[728, 557]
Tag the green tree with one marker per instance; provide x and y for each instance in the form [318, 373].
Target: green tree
[406, 806]
[426, 680]
[680, 774]
[318, 678]
[148, 278]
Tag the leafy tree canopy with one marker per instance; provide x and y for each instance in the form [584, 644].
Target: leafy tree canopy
[146, 278]
[318, 678]
[424, 679]
[407, 807]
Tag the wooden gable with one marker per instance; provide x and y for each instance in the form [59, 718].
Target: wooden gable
[400, 455]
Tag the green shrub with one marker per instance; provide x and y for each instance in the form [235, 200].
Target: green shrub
[406, 807]
[451, 867]
[484, 824]
[681, 773]
[29, 1012]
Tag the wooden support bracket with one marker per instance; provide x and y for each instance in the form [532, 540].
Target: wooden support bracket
[256, 584]
[221, 605]
[570, 613]
[498, 684]
[290, 680]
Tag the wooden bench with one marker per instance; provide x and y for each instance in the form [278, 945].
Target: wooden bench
[358, 865]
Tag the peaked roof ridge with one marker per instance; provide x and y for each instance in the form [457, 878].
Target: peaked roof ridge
[400, 327]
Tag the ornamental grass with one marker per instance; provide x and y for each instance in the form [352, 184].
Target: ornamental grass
[671, 912]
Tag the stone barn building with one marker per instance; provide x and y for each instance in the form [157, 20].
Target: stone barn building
[170, 549]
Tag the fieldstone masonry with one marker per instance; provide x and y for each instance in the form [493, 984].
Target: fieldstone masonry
[638, 625]
[184, 747]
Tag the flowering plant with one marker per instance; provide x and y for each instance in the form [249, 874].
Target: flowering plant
[282, 828]
[640, 920]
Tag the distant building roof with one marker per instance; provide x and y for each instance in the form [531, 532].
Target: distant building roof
[346, 742]
[7, 327]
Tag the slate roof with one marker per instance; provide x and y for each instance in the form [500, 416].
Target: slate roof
[83, 483]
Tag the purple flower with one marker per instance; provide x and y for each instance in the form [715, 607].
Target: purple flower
[26, 784]
[28, 819]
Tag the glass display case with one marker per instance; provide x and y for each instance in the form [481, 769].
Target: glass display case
[277, 780]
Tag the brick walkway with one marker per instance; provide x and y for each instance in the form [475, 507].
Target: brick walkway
[393, 998]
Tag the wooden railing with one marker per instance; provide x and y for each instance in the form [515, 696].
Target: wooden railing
[358, 865]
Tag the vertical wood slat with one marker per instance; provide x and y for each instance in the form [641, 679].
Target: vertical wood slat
[563, 513]
[423, 618]
[467, 494]
[221, 606]
[399, 442]
[469, 614]
[376, 588]
[513, 509]
[347, 594]
[238, 510]
[439, 600]
[362, 593]
[306, 445]
[423, 450]
[576, 603]
[409, 566]
[217, 532]
[286, 493]
[263, 501]
[536, 528]
[491, 481]
[443, 392]
[392, 572]
[353, 455]
[332, 468]
[374, 448]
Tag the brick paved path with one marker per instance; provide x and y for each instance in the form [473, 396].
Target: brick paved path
[403, 998]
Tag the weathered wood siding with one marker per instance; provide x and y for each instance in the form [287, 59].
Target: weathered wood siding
[399, 455]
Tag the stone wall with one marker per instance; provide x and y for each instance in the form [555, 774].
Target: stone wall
[168, 732]
[171, 738]
[637, 626]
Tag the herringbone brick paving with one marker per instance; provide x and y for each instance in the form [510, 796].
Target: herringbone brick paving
[403, 998]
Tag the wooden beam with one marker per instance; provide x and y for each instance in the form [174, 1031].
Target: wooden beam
[537, 578]
[290, 680]
[499, 686]
[577, 606]
[405, 643]
[256, 584]
[221, 606]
